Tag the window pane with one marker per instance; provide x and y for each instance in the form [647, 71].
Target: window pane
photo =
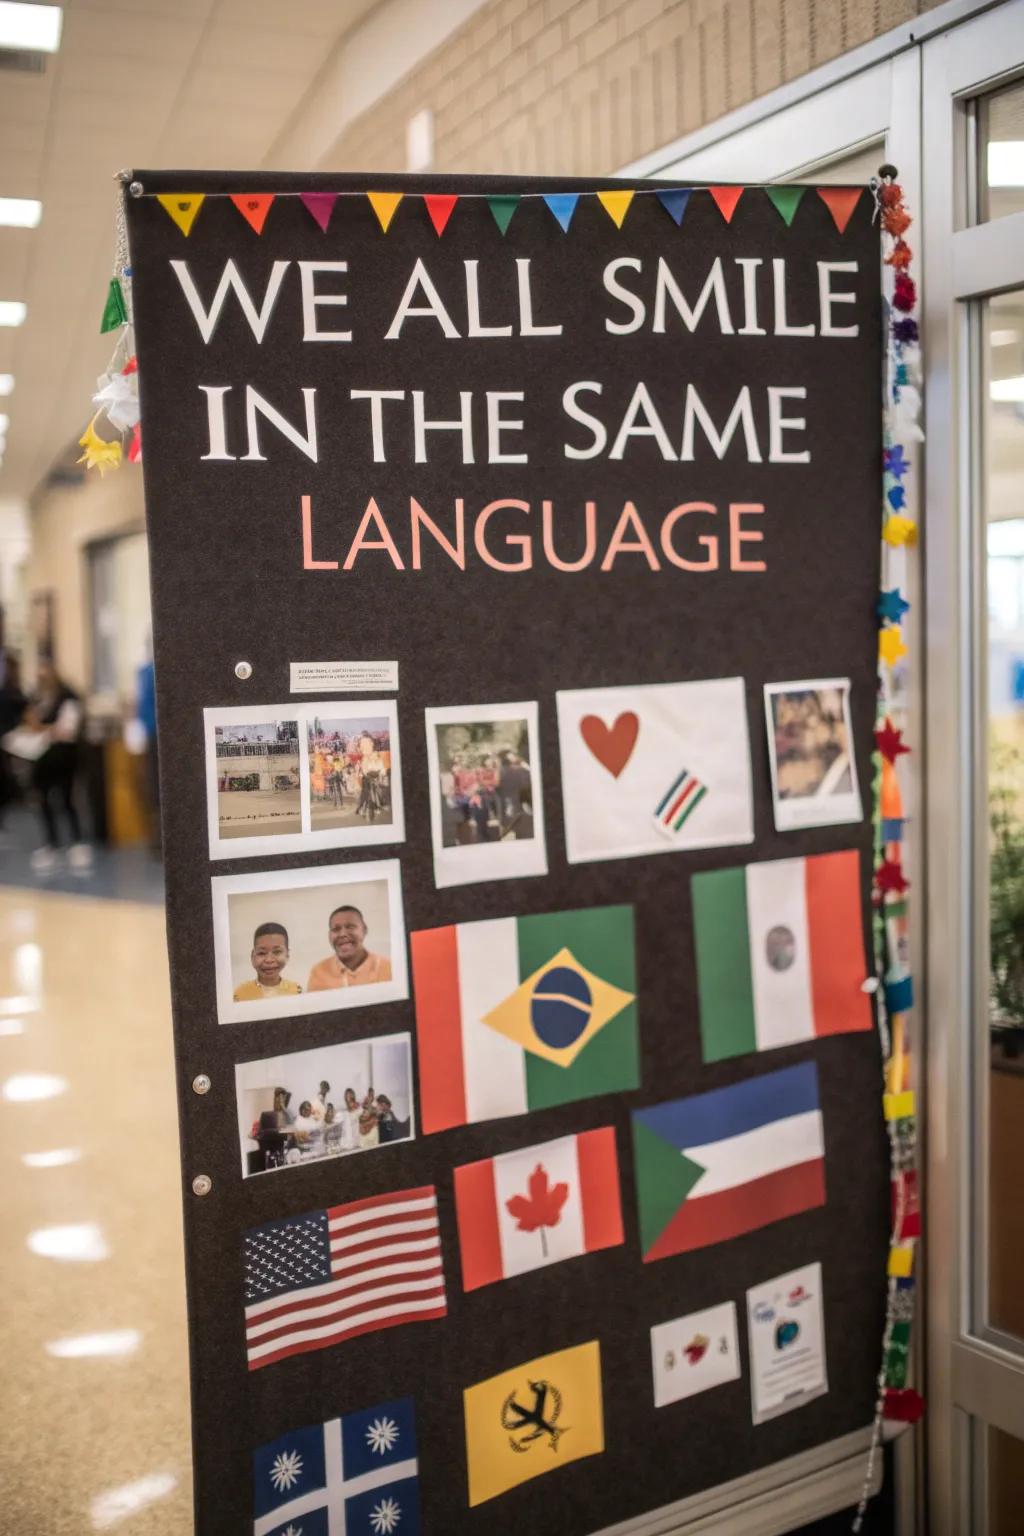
[1005, 1483]
[1004, 512]
[1001, 152]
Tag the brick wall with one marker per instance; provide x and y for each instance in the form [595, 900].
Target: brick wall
[584, 86]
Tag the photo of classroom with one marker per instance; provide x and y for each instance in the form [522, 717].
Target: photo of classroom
[328, 1102]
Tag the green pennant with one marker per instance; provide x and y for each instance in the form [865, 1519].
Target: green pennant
[786, 201]
[114, 311]
[503, 207]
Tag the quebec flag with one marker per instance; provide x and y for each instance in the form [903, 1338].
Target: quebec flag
[354, 1476]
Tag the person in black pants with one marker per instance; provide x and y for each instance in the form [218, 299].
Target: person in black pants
[12, 708]
[56, 710]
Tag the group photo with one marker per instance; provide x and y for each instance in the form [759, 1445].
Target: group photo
[814, 776]
[297, 941]
[328, 1102]
[291, 777]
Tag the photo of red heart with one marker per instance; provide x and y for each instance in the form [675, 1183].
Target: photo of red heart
[611, 745]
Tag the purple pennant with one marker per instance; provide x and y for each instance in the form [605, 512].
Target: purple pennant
[321, 206]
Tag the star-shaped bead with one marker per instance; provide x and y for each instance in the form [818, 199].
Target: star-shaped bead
[890, 741]
[896, 496]
[899, 530]
[889, 876]
[891, 605]
[890, 645]
[894, 461]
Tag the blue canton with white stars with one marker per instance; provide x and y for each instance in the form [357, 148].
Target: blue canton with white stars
[287, 1256]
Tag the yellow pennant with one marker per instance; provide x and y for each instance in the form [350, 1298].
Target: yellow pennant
[533, 1419]
[899, 1106]
[901, 1261]
[384, 205]
[616, 205]
[182, 207]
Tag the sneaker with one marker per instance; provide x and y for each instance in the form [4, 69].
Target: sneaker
[80, 857]
[44, 861]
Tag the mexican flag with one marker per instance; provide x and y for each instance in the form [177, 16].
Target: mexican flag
[520, 1013]
[537, 1206]
[780, 953]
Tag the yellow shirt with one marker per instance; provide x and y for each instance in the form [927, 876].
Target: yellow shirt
[331, 973]
[255, 991]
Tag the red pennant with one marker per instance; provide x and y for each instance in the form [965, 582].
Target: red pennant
[726, 199]
[254, 207]
[904, 1406]
[840, 202]
[135, 449]
[440, 206]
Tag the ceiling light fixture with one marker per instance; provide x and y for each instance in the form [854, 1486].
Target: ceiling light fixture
[20, 212]
[1006, 163]
[12, 311]
[6, 383]
[33, 27]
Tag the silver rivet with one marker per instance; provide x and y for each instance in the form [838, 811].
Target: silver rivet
[243, 670]
[201, 1083]
[202, 1184]
[135, 188]
[870, 985]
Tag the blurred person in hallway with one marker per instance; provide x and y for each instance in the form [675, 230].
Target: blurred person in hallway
[145, 711]
[56, 715]
[12, 708]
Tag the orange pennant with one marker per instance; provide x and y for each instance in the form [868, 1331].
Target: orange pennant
[840, 202]
[726, 199]
[182, 207]
[892, 800]
[384, 205]
[254, 207]
[440, 206]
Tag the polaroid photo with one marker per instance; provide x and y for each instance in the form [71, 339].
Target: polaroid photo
[810, 744]
[331, 1101]
[289, 778]
[289, 942]
[486, 802]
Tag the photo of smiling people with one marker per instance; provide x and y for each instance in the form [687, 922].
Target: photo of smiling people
[298, 941]
[327, 1102]
[288, 778]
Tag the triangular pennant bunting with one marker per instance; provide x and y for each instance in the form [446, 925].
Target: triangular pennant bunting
[320, 205]
[182, 207]
[840, 202]
[503, 207]
[114, 312]
[254, 207]
[384, 205]
[674, 203]
[440, 207]
[785, 201]
[616, 205]
[726, 199]
[563, 206]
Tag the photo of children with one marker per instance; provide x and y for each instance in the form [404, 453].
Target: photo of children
[327, 1102]
[350, 771]
[300, 941]
[294, 777]
[814, 775]
[258, 787]
[485, 803]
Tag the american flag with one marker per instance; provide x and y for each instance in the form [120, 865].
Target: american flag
[316, 1279]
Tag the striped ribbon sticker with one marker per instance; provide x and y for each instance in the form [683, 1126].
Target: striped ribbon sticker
[678, 802]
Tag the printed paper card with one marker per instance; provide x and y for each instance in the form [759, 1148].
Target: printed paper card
[524, 1210]
[654, 768]
[780, 953]
[533, 1419]
[356, 1473]
[810, 744]
[515, 1014]
[691, 1354]
[711, 1167]
[317, 1279]
[787, 1343]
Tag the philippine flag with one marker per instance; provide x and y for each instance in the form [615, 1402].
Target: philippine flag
[723, 1163]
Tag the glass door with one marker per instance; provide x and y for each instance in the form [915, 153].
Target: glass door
[973, 100]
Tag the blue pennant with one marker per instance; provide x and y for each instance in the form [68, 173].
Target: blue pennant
[563, 206]
[674, 202]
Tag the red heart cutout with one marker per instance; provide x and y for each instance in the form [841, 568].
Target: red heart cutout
[612, 746]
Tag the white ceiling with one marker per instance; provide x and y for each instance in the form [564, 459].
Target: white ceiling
[155, 83]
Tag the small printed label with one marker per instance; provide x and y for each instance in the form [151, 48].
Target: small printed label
[343, 676]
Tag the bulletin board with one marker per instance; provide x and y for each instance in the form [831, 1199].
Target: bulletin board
[481, 515]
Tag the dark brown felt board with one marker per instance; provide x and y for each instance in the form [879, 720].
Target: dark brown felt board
[229, 584]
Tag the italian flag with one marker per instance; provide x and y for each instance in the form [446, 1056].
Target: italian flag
[538, 1206]
[515, 1014]
[780, 953]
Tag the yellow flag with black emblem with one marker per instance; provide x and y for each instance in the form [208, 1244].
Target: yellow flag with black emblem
[533, 1419]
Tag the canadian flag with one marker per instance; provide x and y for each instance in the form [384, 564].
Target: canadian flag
[538, 1206]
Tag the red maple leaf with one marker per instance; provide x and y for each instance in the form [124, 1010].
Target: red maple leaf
[541, 1207]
